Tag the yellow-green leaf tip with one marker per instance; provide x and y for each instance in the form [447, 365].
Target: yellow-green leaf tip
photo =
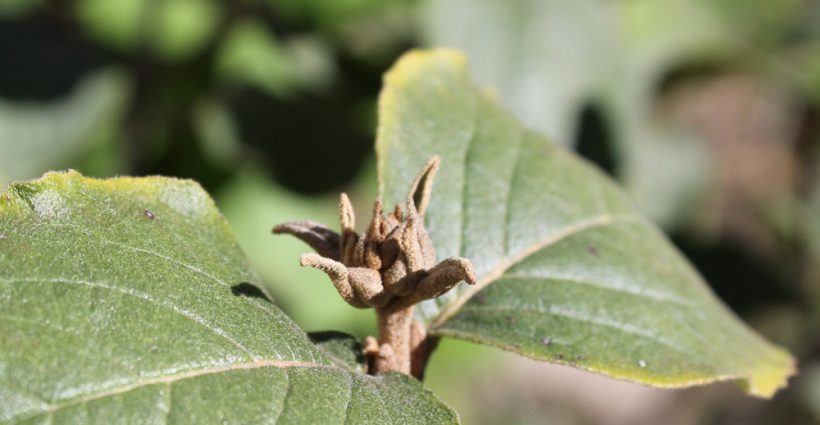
[769, 377]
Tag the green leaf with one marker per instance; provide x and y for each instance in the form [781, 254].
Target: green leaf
[128, 301]
[568, 271]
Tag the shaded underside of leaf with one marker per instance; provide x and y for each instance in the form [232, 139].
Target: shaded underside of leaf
[568, 271]
[128, 300]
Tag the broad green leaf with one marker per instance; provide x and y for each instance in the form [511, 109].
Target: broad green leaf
[568, 270]
[128, 301]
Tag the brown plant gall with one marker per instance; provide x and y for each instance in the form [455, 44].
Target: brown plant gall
[391, 267]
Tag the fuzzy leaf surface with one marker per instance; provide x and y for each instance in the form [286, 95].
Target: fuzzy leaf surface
[128, 301]
[568, 271]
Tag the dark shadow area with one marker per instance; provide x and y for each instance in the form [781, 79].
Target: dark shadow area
[315, 141]
[43, 57]
[182, 156]
[310, 142]
[594, 140]
[246, 289]
[344, 348]
[329, 336]
[743, 281]
[693, 70]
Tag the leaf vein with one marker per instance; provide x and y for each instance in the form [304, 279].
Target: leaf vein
[572, 229]
[505, 228]
[349, 401]
[142, 296]
[623, 289]
[570, 314]
[176, 377]
[168, 400]
[462, 210]
[288, 389]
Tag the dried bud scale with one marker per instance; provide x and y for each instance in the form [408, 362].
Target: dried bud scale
[391, 267]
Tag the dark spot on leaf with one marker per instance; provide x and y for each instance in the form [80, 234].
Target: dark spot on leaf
[246, 289]
[326, 336]
[592, 251]
[343, 343]
[149, 214]
[546, 341]
[511, 320]
[480, 298]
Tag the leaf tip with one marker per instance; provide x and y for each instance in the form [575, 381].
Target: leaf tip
[412, 67]
[416, 62]
[771, 377]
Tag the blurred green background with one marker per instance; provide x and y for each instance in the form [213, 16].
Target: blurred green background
[707, 112]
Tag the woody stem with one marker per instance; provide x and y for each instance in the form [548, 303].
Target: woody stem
[394, 330]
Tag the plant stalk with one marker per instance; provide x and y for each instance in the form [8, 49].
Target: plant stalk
[394, 332]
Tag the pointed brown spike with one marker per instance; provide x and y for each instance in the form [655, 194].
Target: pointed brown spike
[398, 214]
[357, 259]
[374, 232]
[428, 251]
[423, 185]
[346, 215]
[338, 274]
[348, 251]
[347, 219]
[316, 235]
[440, 279]
[409, 238]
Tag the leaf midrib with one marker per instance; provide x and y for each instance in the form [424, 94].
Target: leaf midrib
[162, 257]
[143, 296]
[172, 378]
[494, 274]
